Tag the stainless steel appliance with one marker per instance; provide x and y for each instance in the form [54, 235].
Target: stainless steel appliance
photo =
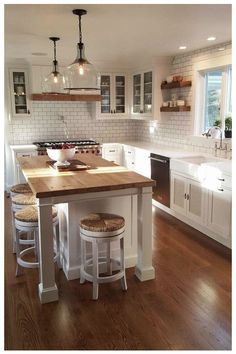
[160, 172]
[82, 146]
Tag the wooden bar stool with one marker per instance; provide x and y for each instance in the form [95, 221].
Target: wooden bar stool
[18, 202]
[26, 220]
[100, 228]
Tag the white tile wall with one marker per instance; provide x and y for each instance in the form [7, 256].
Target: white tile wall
[45, 124]
[175, 129]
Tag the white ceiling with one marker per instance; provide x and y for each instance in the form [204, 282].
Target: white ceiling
[120, 35]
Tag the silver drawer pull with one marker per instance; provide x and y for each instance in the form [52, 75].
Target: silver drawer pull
[158, 160]
[221, 179]
[112, 150]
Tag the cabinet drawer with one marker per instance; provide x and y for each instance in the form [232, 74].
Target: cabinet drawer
[225, 181]
[25, 154]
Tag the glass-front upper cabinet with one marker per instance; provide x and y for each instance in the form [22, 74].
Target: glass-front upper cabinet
[106, 93]
[142, 93]
[147, 92]
[119, 94]
[114, 96]
[19, 92]
[137, 93]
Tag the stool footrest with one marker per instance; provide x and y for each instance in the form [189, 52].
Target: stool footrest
[102, 280]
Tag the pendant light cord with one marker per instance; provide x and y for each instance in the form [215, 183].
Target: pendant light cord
[80, 30]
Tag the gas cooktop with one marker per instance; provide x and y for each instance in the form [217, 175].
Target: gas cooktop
[45, 144]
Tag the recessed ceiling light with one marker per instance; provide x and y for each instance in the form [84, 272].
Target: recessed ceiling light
[211, 38]
[39, 54]
[182, 47]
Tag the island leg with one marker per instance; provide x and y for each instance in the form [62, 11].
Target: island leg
[144, 269]
[48, 291]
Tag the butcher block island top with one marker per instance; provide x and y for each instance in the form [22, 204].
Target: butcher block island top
[102, 175]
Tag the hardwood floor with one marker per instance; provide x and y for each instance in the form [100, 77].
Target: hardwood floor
[187, 306]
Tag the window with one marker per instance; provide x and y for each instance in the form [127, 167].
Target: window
[212, 99]
[217, 96]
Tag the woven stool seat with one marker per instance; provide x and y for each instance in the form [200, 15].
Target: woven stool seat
[30, 214]
[21, 188]
[102, 222]
[24, 199]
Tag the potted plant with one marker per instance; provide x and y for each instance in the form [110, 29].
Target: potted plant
[228, 127]
[217, 123]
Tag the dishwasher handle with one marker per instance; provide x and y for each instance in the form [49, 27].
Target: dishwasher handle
[158, 160]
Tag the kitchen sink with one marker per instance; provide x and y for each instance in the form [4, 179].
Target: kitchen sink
[194, 166]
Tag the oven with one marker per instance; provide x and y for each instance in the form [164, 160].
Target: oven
[160, 172]
[88, 146]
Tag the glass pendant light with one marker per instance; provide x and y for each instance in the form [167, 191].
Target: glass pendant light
[81, 75]
[54, 82]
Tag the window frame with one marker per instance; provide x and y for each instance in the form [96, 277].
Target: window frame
[200, 69]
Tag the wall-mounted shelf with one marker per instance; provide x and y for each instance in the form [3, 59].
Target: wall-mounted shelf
[64, 97]
[176, 109]
[176, 84]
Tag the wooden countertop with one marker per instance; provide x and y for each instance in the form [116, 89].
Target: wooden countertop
[103, 176]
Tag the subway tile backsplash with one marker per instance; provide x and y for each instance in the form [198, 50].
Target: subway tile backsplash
[68, 120]
[72, 120]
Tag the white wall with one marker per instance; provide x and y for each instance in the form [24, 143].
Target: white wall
[176, 129]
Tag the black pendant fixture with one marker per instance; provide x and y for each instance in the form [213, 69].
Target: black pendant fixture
[54, 82]
[81, 74]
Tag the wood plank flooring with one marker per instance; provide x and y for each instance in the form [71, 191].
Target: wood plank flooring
[187, 306]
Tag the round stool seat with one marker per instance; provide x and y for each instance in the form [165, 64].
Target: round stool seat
[30, 214]
[24, 199]
[21, 188]
[102, 222]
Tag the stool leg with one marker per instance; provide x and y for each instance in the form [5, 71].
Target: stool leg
[56, 235]
[13, 232]
[82, 259]
[122, 263]
[109, 264]
[95, 270]
[36, 244]
[18, 267]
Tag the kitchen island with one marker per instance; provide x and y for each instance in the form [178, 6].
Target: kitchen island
[103, 185]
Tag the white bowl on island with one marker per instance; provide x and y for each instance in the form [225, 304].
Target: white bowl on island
[61, 156]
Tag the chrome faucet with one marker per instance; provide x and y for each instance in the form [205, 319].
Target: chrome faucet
[220, 147]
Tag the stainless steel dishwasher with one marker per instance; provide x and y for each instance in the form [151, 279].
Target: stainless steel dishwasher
[160, 172]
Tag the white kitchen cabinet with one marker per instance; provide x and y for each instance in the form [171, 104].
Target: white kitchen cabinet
[114, 92]
[129, 157]
[188, 197]
[19, 90]
[142, 94]
[142, 164]
[20, 151]
[112, 152]
[219, 211]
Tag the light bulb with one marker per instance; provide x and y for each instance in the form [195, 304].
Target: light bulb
[81, 70]
[55, 79]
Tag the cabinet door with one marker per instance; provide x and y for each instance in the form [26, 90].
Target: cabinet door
[178, 193]
[195, 206]
[106, 85]
[19, 92]
[137, 93]
[142, 163]
[147, 92]
[219, 212]
[120, 94]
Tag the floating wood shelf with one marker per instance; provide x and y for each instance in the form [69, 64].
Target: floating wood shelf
[176, 84]
[64, 97]
[175, 109]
